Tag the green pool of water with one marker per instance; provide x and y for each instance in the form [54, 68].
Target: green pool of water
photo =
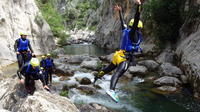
[90, 49]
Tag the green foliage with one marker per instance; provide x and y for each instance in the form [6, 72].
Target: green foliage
[163, 19]
[63, 40]
[64, 93]
[76, 17]
[53, 18]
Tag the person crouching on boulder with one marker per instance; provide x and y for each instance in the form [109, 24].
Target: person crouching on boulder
[130, 43]
[49, 67]
[32, 72]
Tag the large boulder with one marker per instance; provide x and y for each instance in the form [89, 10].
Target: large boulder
[85, 81]
[150, 64]
[77, 59]
[167, 69]
[94, 107]
[14, 98]
[138, 70]
[167, 56]
[65, 69]
[167, 81]
[89, 90]
[92, 63]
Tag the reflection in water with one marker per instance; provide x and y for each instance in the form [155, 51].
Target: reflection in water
[90, 49]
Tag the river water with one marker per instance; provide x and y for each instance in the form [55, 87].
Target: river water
[135, 96]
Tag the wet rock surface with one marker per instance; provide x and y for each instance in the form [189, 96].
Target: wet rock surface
[137, 70]
[94, 107]
[150, 64]
[168, 81]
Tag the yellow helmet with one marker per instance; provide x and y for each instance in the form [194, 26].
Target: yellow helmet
[140, 24]
[43, 56]
[21, 33]
[34, 62]
[48, 54]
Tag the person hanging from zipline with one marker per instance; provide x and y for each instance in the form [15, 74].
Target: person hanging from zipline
[130, 43]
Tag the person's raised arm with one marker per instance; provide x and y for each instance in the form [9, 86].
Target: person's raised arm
[118, 8]
[136, 20]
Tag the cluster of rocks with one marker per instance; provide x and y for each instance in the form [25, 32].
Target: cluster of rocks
[67, 65]
[80, 36]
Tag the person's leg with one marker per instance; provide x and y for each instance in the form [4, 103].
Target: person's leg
[106, 70]
[19, 60]
[123, 66]
[46, 77]
[50, 76]
[109, 68]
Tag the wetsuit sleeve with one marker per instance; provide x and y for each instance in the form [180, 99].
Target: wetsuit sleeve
[16, 45]
[42, 78]
[122, 20]
[136, 20]
[30, 47]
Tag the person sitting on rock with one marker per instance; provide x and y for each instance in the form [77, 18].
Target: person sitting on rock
[49, 67]
[122, 58]
[23, 49]
[31, 71]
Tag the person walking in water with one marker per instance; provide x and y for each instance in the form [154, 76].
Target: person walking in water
[23, 49]
[130, 43]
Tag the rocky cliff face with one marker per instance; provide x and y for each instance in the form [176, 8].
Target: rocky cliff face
[188, 49]
[22, 16]
[108, 31]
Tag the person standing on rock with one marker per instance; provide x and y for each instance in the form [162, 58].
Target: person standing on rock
[42, 62]
[130, 43]
[23, 49]
[42, 67]
[49, 67]
[32, 72]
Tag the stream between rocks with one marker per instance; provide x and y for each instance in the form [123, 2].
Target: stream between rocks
[135, 95]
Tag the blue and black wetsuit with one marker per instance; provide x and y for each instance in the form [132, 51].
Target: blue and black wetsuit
[49, 66]
[130, 40]
[22, 45]
[31, 74]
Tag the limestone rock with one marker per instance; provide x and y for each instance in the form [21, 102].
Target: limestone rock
[167, 88]
[167, 69]
[94, 107]
[150, 64]
[13, 98]
[167, 81]
[138, 70]
[92, 63]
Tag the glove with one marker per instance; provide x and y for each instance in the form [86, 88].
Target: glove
[100, 74]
